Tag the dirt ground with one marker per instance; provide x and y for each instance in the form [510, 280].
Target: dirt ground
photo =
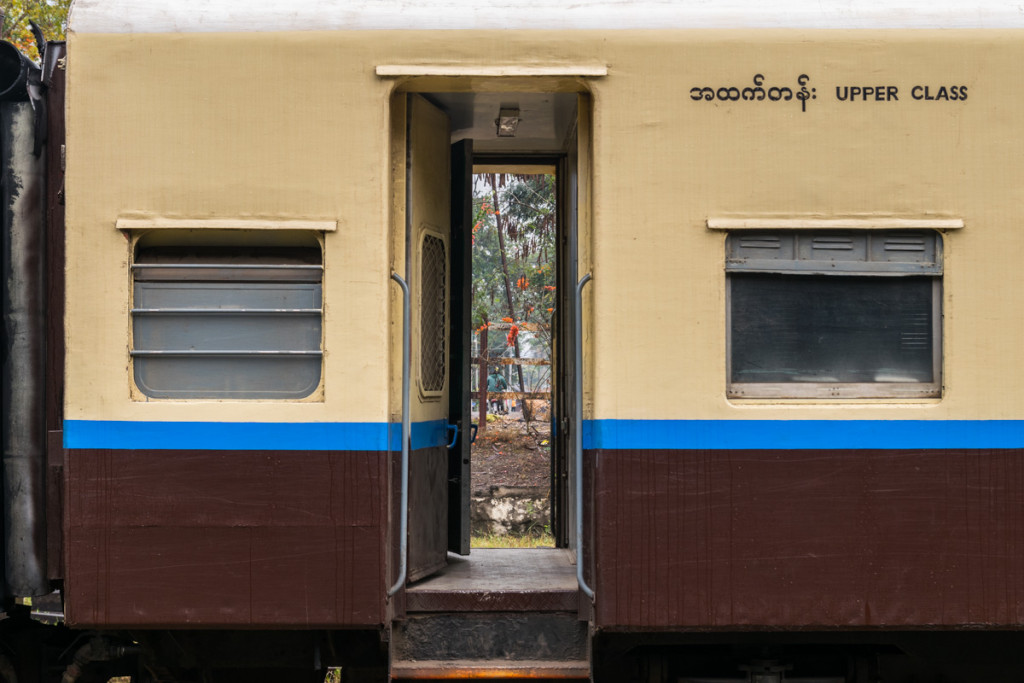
[510, 453]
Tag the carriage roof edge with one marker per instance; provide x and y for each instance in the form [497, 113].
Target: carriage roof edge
[204, 16]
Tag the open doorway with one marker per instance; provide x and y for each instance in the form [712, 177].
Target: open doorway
[462, 171]
[514, 296]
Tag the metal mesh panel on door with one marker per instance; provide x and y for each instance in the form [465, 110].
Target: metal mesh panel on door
[433, 313]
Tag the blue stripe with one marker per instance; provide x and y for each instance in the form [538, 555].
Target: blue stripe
[234, 436]
[802, 434]
[605, 434]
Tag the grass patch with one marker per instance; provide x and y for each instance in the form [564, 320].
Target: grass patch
[541, 540]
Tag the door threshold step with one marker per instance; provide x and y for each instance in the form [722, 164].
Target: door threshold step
[470, 669]
[492, 601]
[500, 580]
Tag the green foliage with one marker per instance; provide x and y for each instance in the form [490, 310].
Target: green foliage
[50, 15]
[538, 539]
[514, 236]
[513, 251]
[524, 210]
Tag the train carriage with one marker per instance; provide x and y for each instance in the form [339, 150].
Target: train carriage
[788, 411]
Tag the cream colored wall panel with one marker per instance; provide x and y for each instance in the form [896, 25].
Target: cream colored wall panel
[175, 126]
[157, 130]
[666, 163]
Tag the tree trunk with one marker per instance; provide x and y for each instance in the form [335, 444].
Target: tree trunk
[482, 374]
[499, 219]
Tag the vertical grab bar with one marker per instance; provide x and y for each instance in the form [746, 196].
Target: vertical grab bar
[578, 427]
[403, 534]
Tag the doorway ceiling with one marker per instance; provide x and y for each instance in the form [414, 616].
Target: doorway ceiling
[546, 120]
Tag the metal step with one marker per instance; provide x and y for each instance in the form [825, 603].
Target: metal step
[490, 645]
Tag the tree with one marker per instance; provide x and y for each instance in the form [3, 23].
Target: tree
[50, 15]
[513, 259]
[513, 247]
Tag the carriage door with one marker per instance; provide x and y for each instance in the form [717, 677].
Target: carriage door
[459, 484]
[437, 487]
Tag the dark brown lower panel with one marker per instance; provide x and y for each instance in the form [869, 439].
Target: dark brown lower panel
[428, 511]
[808, 539]
[225, 538]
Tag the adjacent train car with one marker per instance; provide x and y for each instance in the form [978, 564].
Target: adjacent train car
[788, 410]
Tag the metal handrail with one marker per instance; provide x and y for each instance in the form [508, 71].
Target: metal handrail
[403, 534]
[578, 427]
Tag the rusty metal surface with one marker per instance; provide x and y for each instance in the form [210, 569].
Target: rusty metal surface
[468, 670]
[225, 538]
[809, 539]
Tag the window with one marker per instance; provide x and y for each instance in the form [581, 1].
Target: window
[834, 314]
[230, 319]
[433, 314]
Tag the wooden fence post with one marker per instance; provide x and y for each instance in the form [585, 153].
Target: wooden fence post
[482, 370]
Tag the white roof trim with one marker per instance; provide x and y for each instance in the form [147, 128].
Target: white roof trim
[187, 16]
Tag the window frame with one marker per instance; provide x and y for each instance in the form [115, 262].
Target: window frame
[263, 275]
[840, 390]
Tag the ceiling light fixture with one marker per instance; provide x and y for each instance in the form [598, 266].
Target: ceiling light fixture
[507, 122]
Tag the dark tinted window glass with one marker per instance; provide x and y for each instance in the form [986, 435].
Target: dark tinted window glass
[831, 329]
